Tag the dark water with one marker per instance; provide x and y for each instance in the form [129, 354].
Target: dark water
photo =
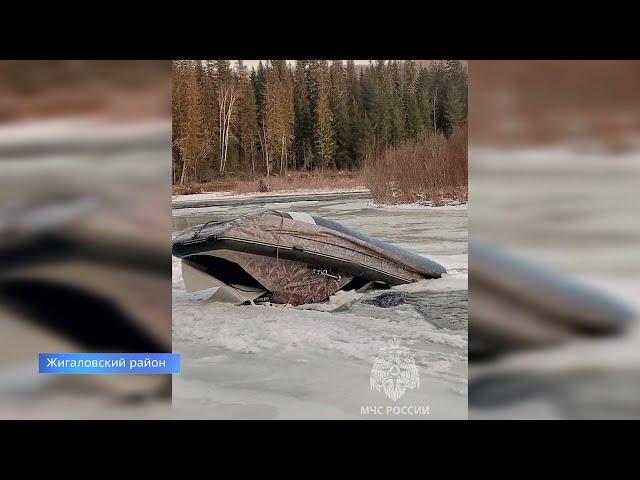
[446, 310]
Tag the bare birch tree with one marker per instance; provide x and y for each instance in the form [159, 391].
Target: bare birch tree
[264, 142]
[227, 96]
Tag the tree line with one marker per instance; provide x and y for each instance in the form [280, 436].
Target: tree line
[313, 115]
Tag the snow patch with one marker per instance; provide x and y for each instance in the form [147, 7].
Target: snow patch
[177, 281]
[275, 193]
[451, 205]
[274, 329]
[334, 301]
[448, 282]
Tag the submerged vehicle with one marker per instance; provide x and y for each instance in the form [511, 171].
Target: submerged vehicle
[290, 257]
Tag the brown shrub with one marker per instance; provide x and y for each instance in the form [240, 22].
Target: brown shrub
[430, 168]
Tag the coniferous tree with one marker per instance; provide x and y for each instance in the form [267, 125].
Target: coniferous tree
[412, 117]
[315, 115]
[439, 89]
[210, 113]
[192, 140]
[381, 100]
[279, 111]
[424, 99]
[177, 116]
[260, 85]
[248, 125]
[288, 113]
[456, 93]
[395, 87]
[366, 140]
[368, 92]
[356, 115]
[338, 102]
[224, 74]
[324, 139]
[303, 128]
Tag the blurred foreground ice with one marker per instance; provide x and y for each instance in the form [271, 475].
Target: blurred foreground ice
[571, 213]
[84, 225]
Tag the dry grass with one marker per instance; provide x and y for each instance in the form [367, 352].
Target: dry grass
[304, 181]
[213, 186]
[432, 168]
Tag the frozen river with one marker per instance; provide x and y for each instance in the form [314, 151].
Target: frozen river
[315, 361]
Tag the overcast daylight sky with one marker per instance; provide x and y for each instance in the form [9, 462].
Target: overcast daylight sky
[254, 63]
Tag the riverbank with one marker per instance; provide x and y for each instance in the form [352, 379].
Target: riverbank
[215, 199]
[289, 182]
[445, 205]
